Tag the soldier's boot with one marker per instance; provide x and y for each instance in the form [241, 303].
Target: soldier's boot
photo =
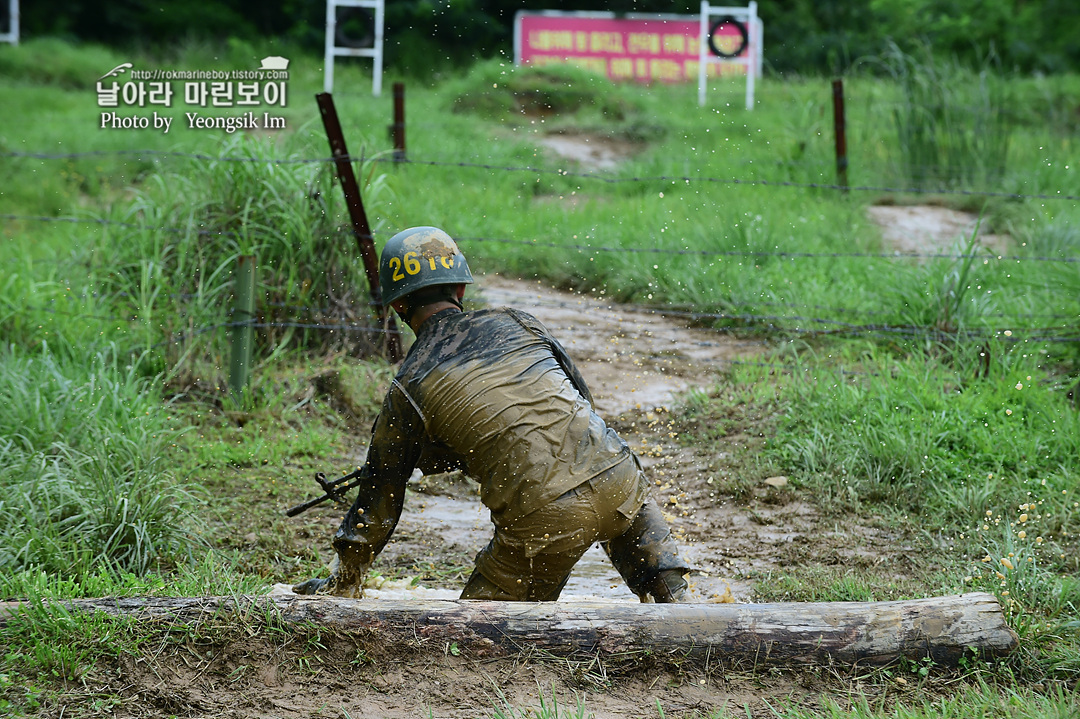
[648, 558]
[669, 587]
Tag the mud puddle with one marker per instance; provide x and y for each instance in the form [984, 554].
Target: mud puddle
[592, 151]
[465, 523]
[922, 229]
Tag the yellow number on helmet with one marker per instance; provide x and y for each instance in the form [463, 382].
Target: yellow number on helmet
[395, 264]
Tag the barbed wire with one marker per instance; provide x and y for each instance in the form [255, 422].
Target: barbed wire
[138, 154]
[120, 223]
[378, 330]
[580, 247]
[754, 253]
[686, 179]
[827, 166]
[675, 311]
[838, 329]
[793, 369]
[824, 166]
[755, 320]
[846, 330]
[184, 336]
[585, 296]
[323, 326]
[872, 330]
[671, 309]
[650, 309]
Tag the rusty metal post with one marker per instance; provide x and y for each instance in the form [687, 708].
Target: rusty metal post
[398, 128]
[841, 133]
[360, 226]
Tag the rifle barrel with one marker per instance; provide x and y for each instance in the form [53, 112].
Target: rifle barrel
[335, 489]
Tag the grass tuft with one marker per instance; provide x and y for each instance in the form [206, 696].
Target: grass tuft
[82, 462]
[953, 124]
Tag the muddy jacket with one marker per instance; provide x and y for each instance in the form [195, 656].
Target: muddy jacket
[490, 392]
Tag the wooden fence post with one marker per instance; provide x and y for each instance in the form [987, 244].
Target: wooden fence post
[243, 334]
[841, 133]
[398, 128]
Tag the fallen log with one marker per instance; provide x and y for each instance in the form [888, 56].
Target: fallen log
[940, 628]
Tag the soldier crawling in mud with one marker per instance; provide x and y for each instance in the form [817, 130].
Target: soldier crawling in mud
[491, 392]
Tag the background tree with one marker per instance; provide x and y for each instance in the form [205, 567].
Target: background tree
[804, 36]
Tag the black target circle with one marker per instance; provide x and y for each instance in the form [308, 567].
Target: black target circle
[744, 36]
[354, 27]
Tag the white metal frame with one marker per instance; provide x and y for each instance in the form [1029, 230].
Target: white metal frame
[332, 50]
[12, 35]
[752, 60]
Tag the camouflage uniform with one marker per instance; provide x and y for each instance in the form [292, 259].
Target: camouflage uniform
[491, 392]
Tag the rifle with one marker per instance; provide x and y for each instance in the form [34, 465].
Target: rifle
[334, 490]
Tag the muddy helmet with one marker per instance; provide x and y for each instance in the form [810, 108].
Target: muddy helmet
[420, 257]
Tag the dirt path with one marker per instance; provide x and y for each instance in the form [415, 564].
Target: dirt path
[637, 366]
[928, 229]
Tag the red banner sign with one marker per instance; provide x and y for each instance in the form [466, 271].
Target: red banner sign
[665, 49]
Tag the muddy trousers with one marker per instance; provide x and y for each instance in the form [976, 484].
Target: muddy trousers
[531, 558]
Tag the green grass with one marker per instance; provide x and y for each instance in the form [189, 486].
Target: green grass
[981, 700]
[82, 460]
[548, 708]
[104, 324]
[953, 125]
[922, 429]
[288, 214]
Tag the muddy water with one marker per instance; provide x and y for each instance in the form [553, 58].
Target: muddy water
[466, 523]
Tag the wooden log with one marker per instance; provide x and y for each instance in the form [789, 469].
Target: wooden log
[941, 628]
